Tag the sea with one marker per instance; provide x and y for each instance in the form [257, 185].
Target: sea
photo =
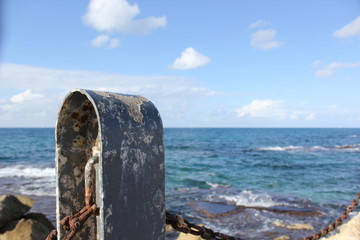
[253, 183]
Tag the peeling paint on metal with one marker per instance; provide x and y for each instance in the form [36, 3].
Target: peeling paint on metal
[127, 132]
[133, 104]
[148, 139]
[76, 133]
[107, 215]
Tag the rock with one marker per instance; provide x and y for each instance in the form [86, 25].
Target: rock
[282, 238]
[348, 231]
[215, 209]
[169, 228]
[40, 218]
[185, 236]
[12, 208]
[25, 200]
[294, 226]
[24, 229]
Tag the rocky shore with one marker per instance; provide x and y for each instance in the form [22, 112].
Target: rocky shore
[349, 231]
[17, 224]
[301, 224]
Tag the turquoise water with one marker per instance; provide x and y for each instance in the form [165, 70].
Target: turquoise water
[318, 164]
[301, 169]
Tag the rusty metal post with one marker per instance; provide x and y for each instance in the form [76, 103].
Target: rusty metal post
[122, 135]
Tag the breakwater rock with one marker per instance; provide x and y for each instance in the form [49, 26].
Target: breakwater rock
[16, 224]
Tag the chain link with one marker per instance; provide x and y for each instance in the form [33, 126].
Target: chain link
[337, 222]
[181, 224]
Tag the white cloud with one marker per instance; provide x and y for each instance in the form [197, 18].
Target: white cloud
[316, 63]
[265, 39]
[325, 72]
[272, 109]
[260, 23]
[100, 40]
[114, 42]
[311, 116]
[262, 108]
[119, 16]
[329, 70]
[190, 58]
[349, 30]
[334, 106]
[106, 41]
[25, 96]
[37, 104]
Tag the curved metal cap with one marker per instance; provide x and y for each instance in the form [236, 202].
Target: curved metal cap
[127, 134]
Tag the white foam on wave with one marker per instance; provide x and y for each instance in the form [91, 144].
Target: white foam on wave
[293, 148]
[28, 180]
[38, 189]
[278, 148]
[251, 199]
[27, 172]
[216, 185]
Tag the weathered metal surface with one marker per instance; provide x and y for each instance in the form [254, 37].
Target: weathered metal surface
[89, 180]
[127, 133]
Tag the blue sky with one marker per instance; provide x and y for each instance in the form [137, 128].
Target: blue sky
[203, 63]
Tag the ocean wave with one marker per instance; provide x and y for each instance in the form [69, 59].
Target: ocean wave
[250, 199]
[353, 147]
[216, 185]
[27, 180]
[39, 189]
[27, 172]
[278, 148]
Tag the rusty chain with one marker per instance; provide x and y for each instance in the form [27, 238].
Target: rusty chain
[74, 223]
[337, 222]
[181, 224]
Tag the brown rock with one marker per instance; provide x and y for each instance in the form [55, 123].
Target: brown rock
[282, 238]
[24, 229]
[25, 200]
[12, 208]
[186, 236]
[40, 218]
[294, 226]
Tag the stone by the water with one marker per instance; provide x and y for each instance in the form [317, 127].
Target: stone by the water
[282, 238]
[12, 207]
[186, 236]
[15, 225]
[24, 229]
[214, 210]
[293, 226]
[40, 218]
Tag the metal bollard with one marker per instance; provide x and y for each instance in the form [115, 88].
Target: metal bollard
[119, 139]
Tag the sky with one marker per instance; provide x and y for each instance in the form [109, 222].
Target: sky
[203, 63]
